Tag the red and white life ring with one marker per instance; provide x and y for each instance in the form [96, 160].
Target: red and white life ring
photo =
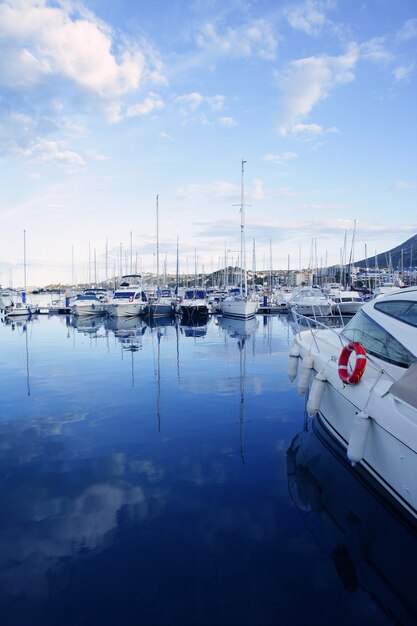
[354, 377]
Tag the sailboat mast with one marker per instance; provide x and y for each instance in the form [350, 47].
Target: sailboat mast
[24, 261]
[242, 234]
[157, 240]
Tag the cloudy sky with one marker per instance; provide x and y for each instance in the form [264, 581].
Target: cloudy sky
[104, 105]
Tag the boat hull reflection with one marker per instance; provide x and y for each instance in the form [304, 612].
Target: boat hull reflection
[371, 542]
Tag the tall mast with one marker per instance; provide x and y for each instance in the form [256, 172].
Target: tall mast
[24, 260]
[242, 235]
[157, 240]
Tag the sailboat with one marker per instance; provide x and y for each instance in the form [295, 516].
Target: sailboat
[240, 305]
[18, 309]
[162, 304]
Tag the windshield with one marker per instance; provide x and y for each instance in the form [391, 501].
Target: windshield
[124, 294]
[376, 340]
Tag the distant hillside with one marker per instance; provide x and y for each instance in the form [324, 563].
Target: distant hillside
[392, 258]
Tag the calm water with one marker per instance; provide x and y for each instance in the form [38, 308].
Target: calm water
[166, 475]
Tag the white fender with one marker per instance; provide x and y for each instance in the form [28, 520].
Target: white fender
[316, 394]
[358, 437]
[293, 359]
[305, 373]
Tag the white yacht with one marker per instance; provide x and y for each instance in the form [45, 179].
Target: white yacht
[239, 306]
[362, 382]
[87, 304]
[17, 309]
[310, 301]
[128, 299]
[346, 302]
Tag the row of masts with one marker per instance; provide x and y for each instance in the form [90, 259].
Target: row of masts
[119, 267]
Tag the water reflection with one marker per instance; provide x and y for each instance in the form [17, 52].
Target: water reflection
[191, 328]
[129, 331]
[372, 545]
[240, 330]
[88, 325]
[49, 521]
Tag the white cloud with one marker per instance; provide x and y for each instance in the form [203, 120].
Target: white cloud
[45, 150]
[254, 38]
[280, 158]
[408, 31]
[308, 81]
[196, 108]
[402, 73]
[189, 102]
[309, 17]
[40, 42]
[374, 50]
[151, 103]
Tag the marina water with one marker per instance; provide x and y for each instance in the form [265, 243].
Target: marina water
[163, 474]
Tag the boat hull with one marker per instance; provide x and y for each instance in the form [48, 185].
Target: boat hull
[239, 308]
[126, 309]
[389, 453]
[160, 309]
[89, 311]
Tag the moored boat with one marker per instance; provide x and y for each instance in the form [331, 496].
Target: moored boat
[368, 403]
[18, 309]
[346, 302]
[194, 305]
[129, 299]
[310, 301]
[241, 305]
[87, 304]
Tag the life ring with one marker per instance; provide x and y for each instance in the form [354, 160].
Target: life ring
[356, 375]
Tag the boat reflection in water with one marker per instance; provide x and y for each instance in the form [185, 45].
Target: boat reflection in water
[194, 328]
[240, 329]
[373, 546]
[128, 330]
[87, 324]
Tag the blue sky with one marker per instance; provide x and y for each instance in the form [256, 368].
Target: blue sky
[104, 105]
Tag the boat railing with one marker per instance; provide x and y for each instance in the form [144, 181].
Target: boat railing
[303, 322]
[311, 323]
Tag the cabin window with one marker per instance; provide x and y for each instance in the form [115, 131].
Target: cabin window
[376, 340]
[402, 310]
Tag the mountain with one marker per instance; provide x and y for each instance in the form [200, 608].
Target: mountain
[403, 256]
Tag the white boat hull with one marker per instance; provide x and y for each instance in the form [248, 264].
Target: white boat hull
[389, 453]
[124, 309]
[20, 310]
[239, 308]
[348, 308]
[88, 310]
